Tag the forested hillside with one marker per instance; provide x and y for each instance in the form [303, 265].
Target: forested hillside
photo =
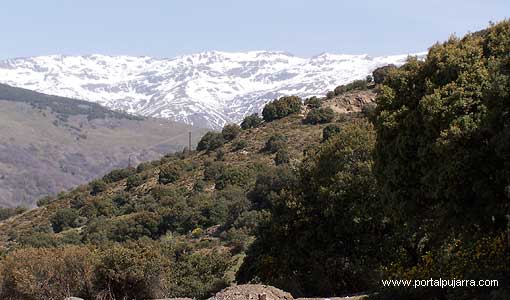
[320, 197]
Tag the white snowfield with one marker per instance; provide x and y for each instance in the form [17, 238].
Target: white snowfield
[205, 89]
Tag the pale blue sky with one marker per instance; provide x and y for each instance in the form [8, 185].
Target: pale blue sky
[166, 28]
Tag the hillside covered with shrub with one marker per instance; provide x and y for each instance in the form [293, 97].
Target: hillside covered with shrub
[49, 144]
[179, 226]
[321, 197]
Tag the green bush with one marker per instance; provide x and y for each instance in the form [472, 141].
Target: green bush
[269, 185]
[230, 132]
[213, 170]
[134, 181]
[231, 176]
[329, 131]
[239, 144]
[319, 116]
[307, 214]
[281, 108]
[97, 186]
[63, 219]
[211, 141]
[121, 199]
[282, 157]
[330, 95]
[220, 155]
[169, 174]
[6, 213]
[45, 201]
[251, 121]
[442, 157]
[132, 272]
[46, 274]
[38, 240]
[117, 175]
[275, 142]
[199, 275]
[144, 166]
[360, 84]
[381, 73]
[313, 102]
[368, 110]
[199, 186]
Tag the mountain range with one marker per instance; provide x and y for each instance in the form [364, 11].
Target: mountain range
[206, 89]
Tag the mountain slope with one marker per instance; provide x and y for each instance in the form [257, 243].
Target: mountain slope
[49, 144]
[191, 215]
[206, 89]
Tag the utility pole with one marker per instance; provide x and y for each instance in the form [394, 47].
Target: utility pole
[129, 161]
[189, 142]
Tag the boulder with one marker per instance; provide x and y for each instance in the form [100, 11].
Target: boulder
[252, 292]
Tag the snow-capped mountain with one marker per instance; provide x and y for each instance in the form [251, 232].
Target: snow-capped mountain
[206, 89]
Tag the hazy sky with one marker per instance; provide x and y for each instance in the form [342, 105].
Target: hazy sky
[166, 28]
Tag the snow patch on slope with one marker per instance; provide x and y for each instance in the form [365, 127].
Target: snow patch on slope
[204, 89]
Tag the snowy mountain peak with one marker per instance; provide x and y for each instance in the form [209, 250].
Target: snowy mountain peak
[204, 89]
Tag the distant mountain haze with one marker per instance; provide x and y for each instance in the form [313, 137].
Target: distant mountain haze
[206, 89]
[49, 144]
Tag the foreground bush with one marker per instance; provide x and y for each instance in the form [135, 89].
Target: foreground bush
[133, 272]
[199, 275]
[442, 159]
[48, 274]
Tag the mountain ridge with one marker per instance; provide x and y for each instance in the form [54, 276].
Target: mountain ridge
[207, 89]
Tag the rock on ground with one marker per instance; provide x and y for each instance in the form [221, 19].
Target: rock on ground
[252, 292]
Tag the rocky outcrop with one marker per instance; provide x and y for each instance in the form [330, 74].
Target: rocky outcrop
[252, 292]
[353, 101]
